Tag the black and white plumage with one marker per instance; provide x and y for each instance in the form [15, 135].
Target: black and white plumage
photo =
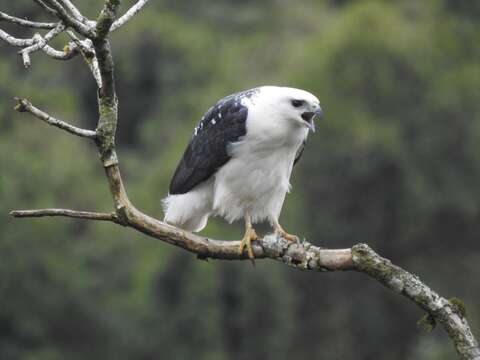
[240, 158]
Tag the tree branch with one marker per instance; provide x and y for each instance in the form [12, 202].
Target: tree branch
[69, 19]
[445, 312]
[302, 255]
[69, 52]
[26, 23]
[65, 212]
[37, 42]
[24, 105]
[45, 7]
[88, 53]
[106, 18]
[15, 41]
[40, 43]
[70, 16]
[129, 14]
[76, 13]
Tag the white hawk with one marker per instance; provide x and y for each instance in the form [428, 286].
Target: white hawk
[240, 158]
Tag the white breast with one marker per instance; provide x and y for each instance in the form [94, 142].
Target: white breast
[257, 177]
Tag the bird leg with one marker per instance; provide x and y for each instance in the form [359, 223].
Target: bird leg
[250, 235]
[281, 232]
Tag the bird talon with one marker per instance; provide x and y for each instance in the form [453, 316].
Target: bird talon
[246, 243]
[290, 237]
[282, 233]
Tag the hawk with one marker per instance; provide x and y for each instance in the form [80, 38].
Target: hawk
[239, 160]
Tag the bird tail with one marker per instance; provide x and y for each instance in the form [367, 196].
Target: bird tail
[188, 211]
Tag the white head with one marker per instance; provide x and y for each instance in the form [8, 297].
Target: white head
[288, 106]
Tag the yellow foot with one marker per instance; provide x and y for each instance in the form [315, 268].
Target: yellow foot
[250, 235]
[281, 232]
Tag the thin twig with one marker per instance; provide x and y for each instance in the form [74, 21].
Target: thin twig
[65, 212]
[47, 8]
[26, 23]
[24, 105]
[129, 14]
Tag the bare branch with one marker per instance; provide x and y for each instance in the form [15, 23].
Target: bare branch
[129, 14]
[65, 212]
[303, 256]
[47, 8]
[69, 19]
[402, 282]
[26, 23]
[26, 59]
[88, 53]
[72, 17]
[15, 41]
[25, 106]
[69, 52]
[40, 43]
[92, 63]
[37, 42]
[74, 10]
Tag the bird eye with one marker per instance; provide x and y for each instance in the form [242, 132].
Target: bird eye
[297, 103]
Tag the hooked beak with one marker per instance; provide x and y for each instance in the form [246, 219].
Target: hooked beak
[311, 115]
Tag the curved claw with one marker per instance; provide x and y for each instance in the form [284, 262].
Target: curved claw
[281, 232]
[250, 235]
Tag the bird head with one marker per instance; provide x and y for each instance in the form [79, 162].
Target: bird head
[298, 108]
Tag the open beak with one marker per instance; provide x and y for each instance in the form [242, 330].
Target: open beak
[311, 115]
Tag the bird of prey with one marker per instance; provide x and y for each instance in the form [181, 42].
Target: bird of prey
[239, 160]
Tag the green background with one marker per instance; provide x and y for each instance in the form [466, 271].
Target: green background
[395, 164]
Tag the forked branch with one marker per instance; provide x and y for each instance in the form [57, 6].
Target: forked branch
[96, 52]
[71, 20]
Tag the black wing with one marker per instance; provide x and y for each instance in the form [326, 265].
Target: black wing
[207, 151]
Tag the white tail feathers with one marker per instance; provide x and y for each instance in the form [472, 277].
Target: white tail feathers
[189, 211]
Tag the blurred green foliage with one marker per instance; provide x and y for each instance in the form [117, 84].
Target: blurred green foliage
[395, 164]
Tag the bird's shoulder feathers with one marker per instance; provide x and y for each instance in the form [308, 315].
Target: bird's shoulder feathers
[222, 124]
